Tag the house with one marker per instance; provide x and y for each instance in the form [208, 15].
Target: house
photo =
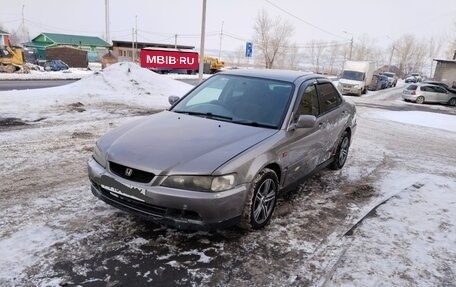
[4, 38]
[445, 71]
[124, 49]
[95, 46]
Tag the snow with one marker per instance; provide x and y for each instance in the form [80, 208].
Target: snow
[54, 232]
[70, 74]
[401, 242]
[425, 119]
[117, 84]
[24, 247]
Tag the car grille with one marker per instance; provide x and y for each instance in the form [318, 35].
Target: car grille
[347, 86]
[135, 175]
[147, 208]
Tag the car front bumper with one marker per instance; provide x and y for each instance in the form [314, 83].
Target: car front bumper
[183, 209]
[345, 89]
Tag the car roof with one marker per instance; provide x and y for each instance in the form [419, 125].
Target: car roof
[279, 75]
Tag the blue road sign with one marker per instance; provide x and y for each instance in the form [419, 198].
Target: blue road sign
[248, 49]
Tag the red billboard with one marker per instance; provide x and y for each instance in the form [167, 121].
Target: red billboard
[168, 59]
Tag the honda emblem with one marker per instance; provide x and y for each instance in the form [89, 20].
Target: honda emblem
[128, 172]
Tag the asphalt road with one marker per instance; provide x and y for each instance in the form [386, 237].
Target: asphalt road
[8, 85]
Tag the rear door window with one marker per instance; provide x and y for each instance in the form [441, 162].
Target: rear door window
[328, 97]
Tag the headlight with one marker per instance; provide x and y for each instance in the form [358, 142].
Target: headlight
[356, 86]
[200, 183]
[98, 156]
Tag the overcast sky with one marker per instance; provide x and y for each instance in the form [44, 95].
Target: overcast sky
[159, 21]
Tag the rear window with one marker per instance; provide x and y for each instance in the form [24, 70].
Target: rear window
[412, 87]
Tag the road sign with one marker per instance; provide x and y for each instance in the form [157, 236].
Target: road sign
[248, 49]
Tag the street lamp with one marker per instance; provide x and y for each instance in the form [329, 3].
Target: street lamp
[351, 44]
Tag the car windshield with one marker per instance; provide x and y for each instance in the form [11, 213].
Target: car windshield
[353, 75]
[388, 75]
[239, 99]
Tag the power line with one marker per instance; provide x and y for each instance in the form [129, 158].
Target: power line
[302, 20]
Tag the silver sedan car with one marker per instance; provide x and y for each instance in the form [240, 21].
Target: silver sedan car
[428, 93]
[221, 154]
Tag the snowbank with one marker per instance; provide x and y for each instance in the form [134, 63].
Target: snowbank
[121, 83]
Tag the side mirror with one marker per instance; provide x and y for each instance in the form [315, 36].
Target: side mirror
[306, 121]
[173, 99]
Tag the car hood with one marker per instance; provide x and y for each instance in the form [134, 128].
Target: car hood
[171, 143]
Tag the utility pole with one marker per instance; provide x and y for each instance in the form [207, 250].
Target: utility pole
[203, 35]
[221, 37]
[107, 20]
[135, 39]
[175, 41]
[351, 44]
[133, 44]
[391, 58]
[351, 47]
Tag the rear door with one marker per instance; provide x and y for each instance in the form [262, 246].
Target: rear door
[332, 116]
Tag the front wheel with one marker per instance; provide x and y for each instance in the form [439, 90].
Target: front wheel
[261, 200]
[342, 152]
[420, 100]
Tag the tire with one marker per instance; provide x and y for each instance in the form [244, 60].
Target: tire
[364, 91]
[452, 102]
[342, 152]
[261, 200]
[420, 100]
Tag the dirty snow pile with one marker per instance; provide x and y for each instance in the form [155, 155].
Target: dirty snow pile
[121, 83]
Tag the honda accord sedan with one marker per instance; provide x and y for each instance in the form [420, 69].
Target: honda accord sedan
[222, 153]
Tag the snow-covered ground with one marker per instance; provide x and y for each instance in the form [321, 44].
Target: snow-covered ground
[386, 219]
[70, 74]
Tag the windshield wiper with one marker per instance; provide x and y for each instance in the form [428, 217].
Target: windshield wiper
[207, 115]
[253, 123]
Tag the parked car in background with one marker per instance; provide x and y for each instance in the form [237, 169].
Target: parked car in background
[52, 65]
[378, 82]
[417, 76]
[427, 93]
[411, 79]
[392, 78]
[442, 84]
[221, 154]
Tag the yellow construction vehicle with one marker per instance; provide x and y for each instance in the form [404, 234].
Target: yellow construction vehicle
[215, 64]
[11, 59]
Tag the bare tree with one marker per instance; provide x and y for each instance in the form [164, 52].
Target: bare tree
[289, 59]
[316, 54]
[411, 54]
[334, 52]
[405, 47]
[364, 49]
[271, 37]
[236, 58]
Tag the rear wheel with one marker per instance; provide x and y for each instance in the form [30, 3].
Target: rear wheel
[420, 100]
[452, 102]
[342, 152]
[261, 200]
